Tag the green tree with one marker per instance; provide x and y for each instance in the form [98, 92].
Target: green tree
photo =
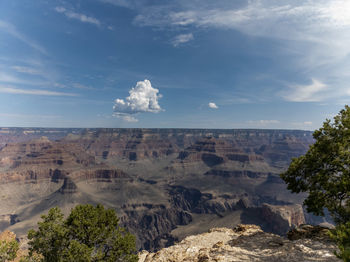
[342, 236]
[34, 257]
[89, 233]
[8, 250]
[324, 173]
[52, 236]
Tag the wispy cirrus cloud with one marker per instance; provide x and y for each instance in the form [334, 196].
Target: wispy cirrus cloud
[305, 125]
[181, 39]
[303, 30]
[38, 92]
[26, 116]
[314, 92]
[305, 21]
[288, 19]
[81, 86]
[123, 3]
[263, 122]
[129, 118]
[12, 30]
[78, 16]
[13, 79]
[27, 70]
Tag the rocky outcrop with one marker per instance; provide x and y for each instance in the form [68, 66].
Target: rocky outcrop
[7, 220]
[152, 224]
[320, 233]
[243, 243]
[100, 175]
[68, 186]
[282, 218]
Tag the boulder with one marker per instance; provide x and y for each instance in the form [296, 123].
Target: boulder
[282, 217]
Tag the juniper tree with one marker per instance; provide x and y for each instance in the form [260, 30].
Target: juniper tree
[324, 173]
[89, 233]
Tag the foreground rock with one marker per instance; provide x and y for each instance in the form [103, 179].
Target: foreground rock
[245, 243]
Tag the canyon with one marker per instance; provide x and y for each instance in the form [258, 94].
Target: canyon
[165, 184]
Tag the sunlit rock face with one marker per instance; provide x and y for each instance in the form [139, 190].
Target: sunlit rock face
[244, 243]
[165, 184]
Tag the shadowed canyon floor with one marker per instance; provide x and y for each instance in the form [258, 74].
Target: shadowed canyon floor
[165, 184]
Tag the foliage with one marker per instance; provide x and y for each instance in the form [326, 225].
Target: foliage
[342, 237]
[88, 234]
[34, 257]
[323, 172]
[8, 250]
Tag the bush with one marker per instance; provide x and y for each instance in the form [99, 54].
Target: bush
[342, 237]
[89, 233]
[8, 250]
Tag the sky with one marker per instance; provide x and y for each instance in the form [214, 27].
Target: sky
[268, 64]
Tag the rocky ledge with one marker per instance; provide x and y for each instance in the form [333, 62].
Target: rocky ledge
[249, 243]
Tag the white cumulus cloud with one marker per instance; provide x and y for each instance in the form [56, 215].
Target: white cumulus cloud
[181, 39]
[213, 105]
[142, 98]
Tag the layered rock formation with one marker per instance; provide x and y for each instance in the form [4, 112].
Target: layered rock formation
[244, 243]
[15, 135]
[163, 183]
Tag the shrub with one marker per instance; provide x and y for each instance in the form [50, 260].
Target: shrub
[89, 233]
[8, 250]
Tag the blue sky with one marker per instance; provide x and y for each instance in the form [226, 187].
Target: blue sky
[160, 63]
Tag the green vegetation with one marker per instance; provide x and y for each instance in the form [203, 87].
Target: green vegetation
[324, 173]
[342, 236]
[88, 234]
[8, 250]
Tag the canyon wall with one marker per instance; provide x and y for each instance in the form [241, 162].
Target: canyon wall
[163, 183]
